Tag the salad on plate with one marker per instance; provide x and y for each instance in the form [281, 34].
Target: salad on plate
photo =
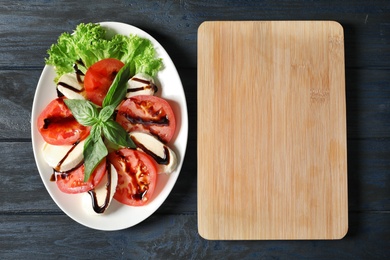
[111, 128]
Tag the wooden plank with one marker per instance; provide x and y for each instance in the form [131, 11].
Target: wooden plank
[368, 174]
[368, 189]
[36, 25]
[17, 89]
[277, 169]
[16, 94]
[368, 109]
[367, 102]
[19, 172]
[176, 237]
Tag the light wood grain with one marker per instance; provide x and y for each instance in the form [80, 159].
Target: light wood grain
[272, 158]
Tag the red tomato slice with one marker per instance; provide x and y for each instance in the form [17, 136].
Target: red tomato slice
[137, 176]
[148, 114]
[58, 126]
[99, 77]
[73, 181]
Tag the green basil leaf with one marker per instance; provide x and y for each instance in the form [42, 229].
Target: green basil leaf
[96, 132]
[106, 113]
[85, 112]
[118, 88]
[94, 152]
[115, 134]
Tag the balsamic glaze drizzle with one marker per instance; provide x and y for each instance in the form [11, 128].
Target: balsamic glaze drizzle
[80, 79]
[158, 159]
[65, 174]
[149, 85]
[163, 121]
[95, 204]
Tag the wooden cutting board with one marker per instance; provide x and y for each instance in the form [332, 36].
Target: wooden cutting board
[272, 154]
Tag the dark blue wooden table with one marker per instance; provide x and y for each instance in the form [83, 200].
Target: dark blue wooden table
[31, 224]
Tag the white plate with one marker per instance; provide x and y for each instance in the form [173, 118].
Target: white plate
[117, 216]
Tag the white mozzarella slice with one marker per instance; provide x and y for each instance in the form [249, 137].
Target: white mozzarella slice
[98, 200]
[70, 87]
[63, 157]
[161, 153]
[140, 84]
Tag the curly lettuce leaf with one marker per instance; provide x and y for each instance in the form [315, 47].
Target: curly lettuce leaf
[89, 44]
